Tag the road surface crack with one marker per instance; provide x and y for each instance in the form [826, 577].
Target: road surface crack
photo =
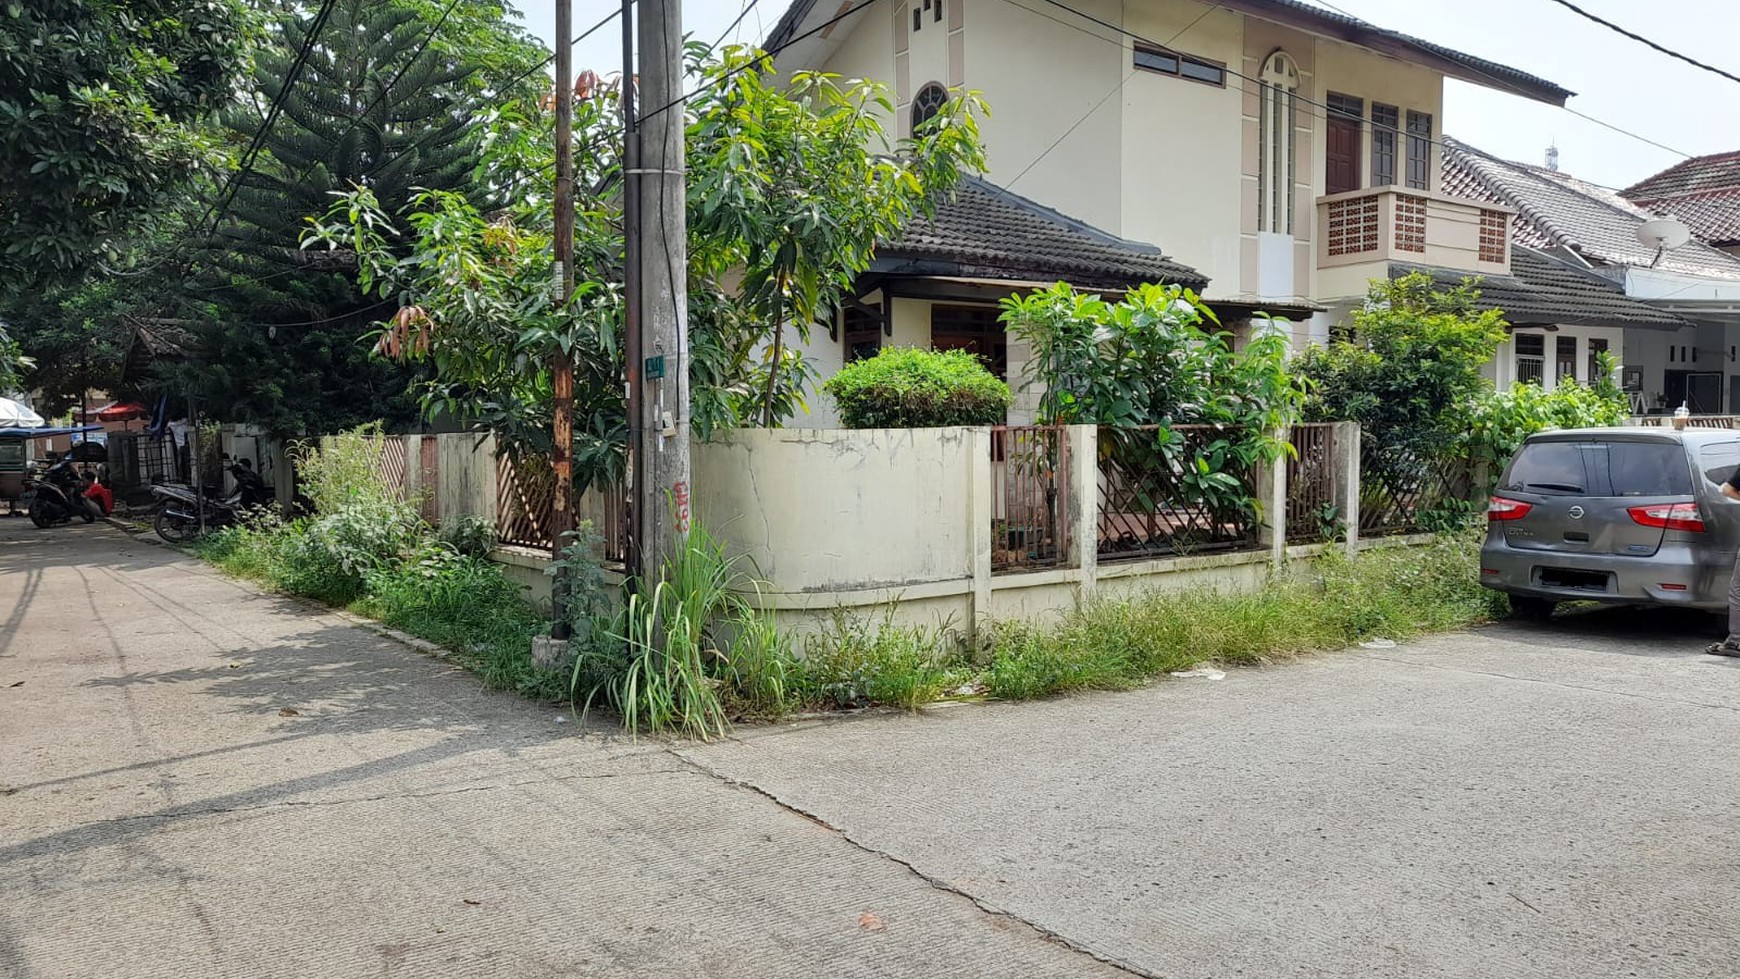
[1038, 930]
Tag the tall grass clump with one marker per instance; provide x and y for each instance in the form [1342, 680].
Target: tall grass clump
[690, 652]
[859, 661]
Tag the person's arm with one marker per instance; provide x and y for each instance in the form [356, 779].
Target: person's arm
[1728, 489]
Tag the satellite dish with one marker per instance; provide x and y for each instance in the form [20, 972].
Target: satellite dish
[1659, 233]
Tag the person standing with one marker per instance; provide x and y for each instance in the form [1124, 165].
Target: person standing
[1731, 645]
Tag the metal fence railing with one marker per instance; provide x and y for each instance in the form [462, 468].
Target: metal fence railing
[1029, 497]
[1160, 493]
[1403, 491]
[1312, 512]
[525, 506]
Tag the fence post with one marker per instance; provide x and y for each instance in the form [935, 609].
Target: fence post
[413, 469]
[1084, 505]
[1346, 468]
[1272, 492]
[981, 511]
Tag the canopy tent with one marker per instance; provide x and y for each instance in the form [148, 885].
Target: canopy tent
[16, 432]
[120, 411]
[15, 415]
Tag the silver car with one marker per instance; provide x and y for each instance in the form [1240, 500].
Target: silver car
[1617, 515]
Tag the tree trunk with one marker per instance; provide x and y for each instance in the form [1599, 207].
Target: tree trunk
[778, 353]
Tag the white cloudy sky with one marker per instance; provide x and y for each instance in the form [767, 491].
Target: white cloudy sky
[1618, 81]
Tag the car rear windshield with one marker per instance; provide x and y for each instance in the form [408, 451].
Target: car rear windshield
[1601, 469]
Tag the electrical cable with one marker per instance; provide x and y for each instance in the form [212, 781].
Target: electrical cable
[1639, 38]
[734, 24]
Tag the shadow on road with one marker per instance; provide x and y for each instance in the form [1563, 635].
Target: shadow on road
[1631, 630]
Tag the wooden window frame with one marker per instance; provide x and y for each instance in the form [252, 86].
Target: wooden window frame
[1386, 122]
[1419, 165]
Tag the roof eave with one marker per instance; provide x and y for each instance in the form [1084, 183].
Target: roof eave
[1375, 39]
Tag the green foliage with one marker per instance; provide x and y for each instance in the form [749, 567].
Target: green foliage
[1411, 371]
[1394, 592]
[468, 534]
[789, 186]
[103, 108]
[902, 387]
[588, 608]
[13, 363]
[278, 328]
[860, 662]
[1157, 357]
[795, 184]
[672, 633]
[1500, 421]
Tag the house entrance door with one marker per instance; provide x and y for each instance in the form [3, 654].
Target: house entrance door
[1699, 391]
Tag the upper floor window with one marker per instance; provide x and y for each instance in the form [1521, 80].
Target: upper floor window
[935, 7]
[927, 103]
[1385, 121]
[1182, 65]
[1275, 143]
[1419, 150]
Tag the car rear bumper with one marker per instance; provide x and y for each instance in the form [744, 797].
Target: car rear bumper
[1703, 573]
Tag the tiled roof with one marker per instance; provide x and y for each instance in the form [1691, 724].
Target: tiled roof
[1704, 192]
[1718, 171]
[1542, 289]
[990, 233]
[1298, 14]
[1558, 211]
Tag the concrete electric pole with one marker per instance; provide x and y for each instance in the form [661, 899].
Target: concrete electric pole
[661, 259]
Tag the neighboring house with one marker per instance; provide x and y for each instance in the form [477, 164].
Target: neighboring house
[1285, 153]
[1693, 358]
[1704, 192]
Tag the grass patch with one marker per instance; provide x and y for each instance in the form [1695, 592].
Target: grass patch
[1395, 592]
[858, 662]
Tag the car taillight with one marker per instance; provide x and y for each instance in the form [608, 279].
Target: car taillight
[1499, 508]
[1669, 516]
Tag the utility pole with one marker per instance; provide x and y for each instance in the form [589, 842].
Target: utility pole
[662, 260]
[562, 451]
[631, 294]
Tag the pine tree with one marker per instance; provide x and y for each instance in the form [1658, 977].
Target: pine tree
[380, 102]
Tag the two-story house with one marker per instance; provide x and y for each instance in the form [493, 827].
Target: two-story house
[1282, 152]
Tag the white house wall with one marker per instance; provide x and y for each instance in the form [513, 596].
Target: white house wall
[1042, 78]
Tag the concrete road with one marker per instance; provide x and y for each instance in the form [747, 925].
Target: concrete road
[199, 780]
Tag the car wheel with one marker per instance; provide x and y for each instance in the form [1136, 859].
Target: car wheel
[1532, 609]
[172, 528]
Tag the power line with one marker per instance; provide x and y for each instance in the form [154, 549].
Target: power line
[277, 106]
[763, 56]
[734, 24]
[1581, 115]
[1639, 38]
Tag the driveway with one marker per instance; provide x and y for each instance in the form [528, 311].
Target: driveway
[199, 780]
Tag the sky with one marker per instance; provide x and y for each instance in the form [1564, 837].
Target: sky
[1619, 82]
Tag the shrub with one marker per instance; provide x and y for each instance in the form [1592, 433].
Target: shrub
[859, 662]
[469, 534]
[1501, 421]
[902, 387]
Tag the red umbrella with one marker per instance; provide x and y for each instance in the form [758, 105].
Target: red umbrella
[121, 411]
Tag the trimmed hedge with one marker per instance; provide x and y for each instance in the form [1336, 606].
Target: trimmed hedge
[902, 387]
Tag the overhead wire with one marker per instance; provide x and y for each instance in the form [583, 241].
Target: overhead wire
[1639, 38]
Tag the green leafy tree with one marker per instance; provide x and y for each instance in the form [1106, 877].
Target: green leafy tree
[798, 184]
[104, 111]
[1410, 371]
[1144, 366]
[474, 287]
[391, 99]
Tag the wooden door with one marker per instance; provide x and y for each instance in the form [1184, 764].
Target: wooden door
[1341, 156]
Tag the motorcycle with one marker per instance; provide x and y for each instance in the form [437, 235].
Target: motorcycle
[178, 515]
[56, 495]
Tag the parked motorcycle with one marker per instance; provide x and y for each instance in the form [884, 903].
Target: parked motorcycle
[56, 495]
[177, 518]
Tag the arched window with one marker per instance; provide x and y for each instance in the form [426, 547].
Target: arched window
[927, 103]
[1275, 134]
